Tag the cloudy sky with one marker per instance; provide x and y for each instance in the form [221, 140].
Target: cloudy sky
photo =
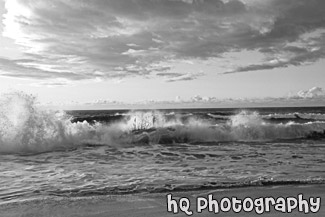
[105, 52]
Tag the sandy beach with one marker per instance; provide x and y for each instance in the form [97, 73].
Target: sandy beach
[141, 205]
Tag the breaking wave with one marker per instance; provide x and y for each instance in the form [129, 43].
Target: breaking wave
[24, 127]
[296, 115]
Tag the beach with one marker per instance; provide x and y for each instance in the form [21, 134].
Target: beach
[140, 205]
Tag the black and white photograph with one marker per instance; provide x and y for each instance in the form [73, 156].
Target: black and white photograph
[161, 108]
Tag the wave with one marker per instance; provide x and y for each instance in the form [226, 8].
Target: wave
[298, 115]
[281, 117]
[218, 116]
[24, 127]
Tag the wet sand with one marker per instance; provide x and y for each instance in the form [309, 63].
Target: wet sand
[141, 205]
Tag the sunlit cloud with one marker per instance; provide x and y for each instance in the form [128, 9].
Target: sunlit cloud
[314, 92]
[314, 96]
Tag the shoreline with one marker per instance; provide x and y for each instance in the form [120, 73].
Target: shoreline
[155, 204]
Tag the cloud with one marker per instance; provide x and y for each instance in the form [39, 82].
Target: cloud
[114, 39]
[173, 77]
[314, 96]
[104, 102]
[295, 36]
[315, 92]
[55, 83]
[20, 69]
[287, 56]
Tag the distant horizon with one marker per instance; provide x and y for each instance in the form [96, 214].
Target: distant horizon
[189, 108]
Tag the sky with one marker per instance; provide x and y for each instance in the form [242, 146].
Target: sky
[164, 53]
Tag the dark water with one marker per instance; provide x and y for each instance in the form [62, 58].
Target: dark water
[78, 153]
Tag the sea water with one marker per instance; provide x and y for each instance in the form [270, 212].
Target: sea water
[84, 153]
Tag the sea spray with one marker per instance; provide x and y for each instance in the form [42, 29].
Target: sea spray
[24, 127]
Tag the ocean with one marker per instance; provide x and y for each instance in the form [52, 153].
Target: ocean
[107, 152]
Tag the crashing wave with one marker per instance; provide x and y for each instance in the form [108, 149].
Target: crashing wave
[24, 127]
